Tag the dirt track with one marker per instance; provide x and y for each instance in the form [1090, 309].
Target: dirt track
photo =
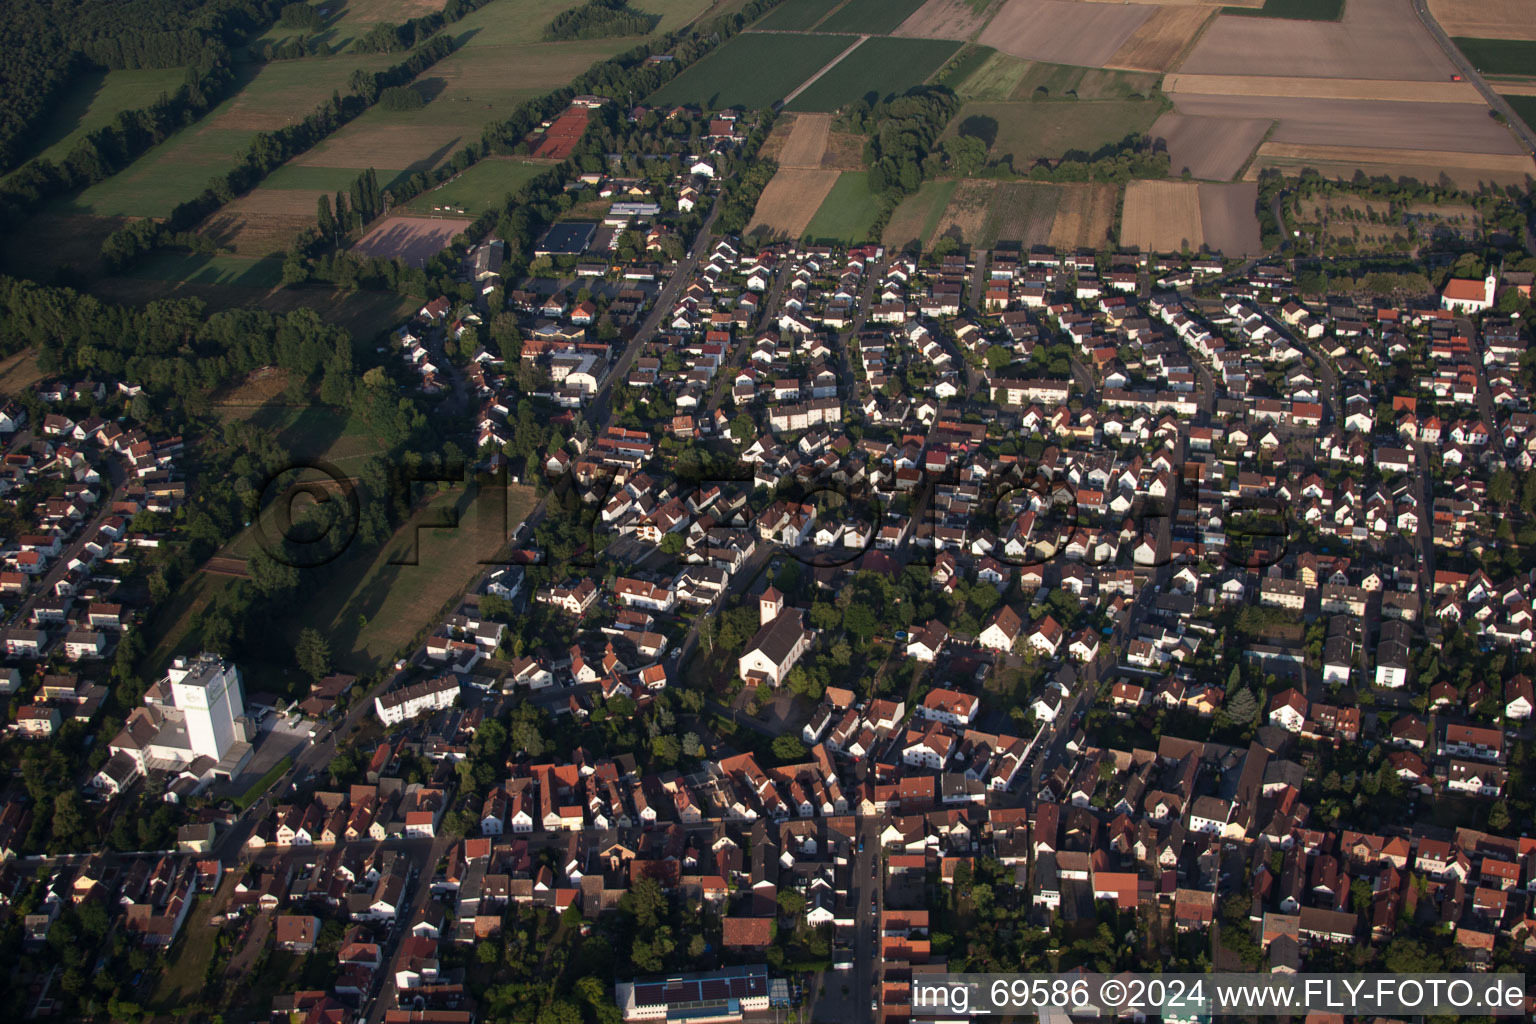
[1161, 216]
[1161, 38]
[1064, 31]
[412, 239]
[1375, 39]
[1486, 19]
[1213, 148]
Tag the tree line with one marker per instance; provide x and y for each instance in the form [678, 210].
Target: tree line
[599, 19]
[53, 42]
[266, 152]
[389, 38]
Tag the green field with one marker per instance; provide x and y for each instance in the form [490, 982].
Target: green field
[1500, 56]
[880, 67]
[95, 98]
[872, 17]
[795, 15]
[753, 70]
[480, 188]
[1525, 106]
[1297, 10]
[1028, 132]
[197, 268]
[913, 223]
[1000, 77]
[270, 96]
[299, 177]
[847, 213]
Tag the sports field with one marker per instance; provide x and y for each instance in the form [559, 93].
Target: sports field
[412, 239]
[94, 99]
[847, 213]
[271, 96]
[478, 189]
[753, 70]
[877, 68]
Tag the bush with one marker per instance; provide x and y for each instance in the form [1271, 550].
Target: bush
[401, 97]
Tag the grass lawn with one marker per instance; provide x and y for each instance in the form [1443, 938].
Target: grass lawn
[753, 70]
[270, 96]
[872, 17]
[1042, 81]
[261, 785]
[1299, 10]
[398, 600]
[186, 967]
[913, 223]
[847, 213]
[1525, 106]
[480, 188]
[1032, 131]
[878, 68]
[95, 98]
[329, 179]
[1500, 56]
[198, 268]
[19, 372]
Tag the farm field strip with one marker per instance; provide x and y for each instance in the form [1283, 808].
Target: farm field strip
[1499, 56]
[1485, 19]
[1228, 221]
[1329, 122]
[790, 200]
[1374, 39]
[878, 65]
[914, 221]
[95, 99]
[1084, 216]
[1362, 89]
[1161, 216]
[1064, 31]
[869, 17]
[944, 19]
[1214, 148]
[807, 142]
[1161, 38]
[753, 70]
[847, 212]
[1034, 131]
[1504, 163]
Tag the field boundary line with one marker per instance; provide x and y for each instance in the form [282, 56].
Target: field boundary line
[834, 62]
[1183, 55]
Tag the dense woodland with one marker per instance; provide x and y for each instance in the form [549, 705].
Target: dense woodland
[52, 40]
[599, 19]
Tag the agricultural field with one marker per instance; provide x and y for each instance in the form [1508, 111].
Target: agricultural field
[847, 213]
[1085, 214]
[264, 222]
[1161, 216]
[270, 96]
[1171, 216]
[1064, 31]
[1296, 10]
[792, 197]
[412, 239]
[873, 17]
[795, 15]
[1343, 122]
[877, 68]
[946, 19]
[1213, 148]
[1524, 106]
[482, 187]
[1156, 45]
[1228, 220]
[1374, 39]
[753, 70]
[916, 219]
[1029, 132]
[999, 77]
[216, 269]
[1485, 19]
[94, 99]
[1466, 170]
[806, 142]
[1500, 56]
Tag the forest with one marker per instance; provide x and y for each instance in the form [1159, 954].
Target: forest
[599, 19]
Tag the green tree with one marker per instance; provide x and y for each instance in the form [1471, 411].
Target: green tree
[313, 653]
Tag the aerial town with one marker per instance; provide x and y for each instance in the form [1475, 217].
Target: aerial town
[677, 592]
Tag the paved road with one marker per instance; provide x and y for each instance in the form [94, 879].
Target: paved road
[1470, 73]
